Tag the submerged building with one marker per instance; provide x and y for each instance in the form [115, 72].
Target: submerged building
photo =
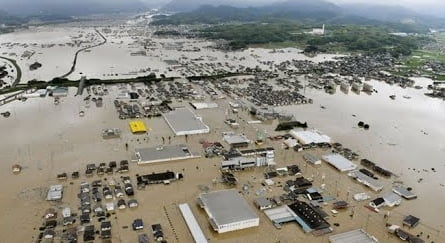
[184, 122]
[228, 211]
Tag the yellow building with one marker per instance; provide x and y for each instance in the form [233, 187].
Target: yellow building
[137, 127]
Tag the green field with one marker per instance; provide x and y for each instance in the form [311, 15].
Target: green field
[429, 55]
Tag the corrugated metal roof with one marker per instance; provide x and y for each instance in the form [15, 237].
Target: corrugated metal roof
[227, 206]
[354, 236]
[192, 224]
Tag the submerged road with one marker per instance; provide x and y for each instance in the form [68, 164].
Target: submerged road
[18, 78]
[88, 82]
[73, 67]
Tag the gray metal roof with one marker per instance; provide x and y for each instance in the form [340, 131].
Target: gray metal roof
[163, 153]
[366, 180]
[354, 236]
[227, 206]
[280, 214]
[263, 202]
[183, 121]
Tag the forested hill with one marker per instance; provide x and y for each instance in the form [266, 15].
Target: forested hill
[8, 19]
[308, 11]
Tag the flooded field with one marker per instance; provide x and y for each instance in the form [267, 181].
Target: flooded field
[131, 50]
[405, 135]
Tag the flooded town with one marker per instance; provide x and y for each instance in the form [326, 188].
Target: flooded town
[116, 131]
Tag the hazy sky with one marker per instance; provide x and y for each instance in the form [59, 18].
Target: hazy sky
[393, 2]
[408, 3]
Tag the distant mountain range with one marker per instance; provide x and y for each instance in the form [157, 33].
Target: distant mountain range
[190, 5]
[193, 11]
[308, 9]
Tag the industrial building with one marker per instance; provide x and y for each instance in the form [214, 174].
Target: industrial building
[192, 224]
[339, 162]
[201, 106]
[310, 219]
[163, 154]
[366, 180]
[137, 127]
[309, 158]
[280, 215]
[228, 211]
[310, 137]
[238, 163]
[249, 158]
[184, 122]
[358, 235]
[235, 140]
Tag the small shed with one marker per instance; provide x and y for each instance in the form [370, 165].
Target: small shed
[263, 203]
[411, 221]
[377, 203]
[66, 212]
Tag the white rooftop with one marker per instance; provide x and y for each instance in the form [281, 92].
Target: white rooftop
[392, 199]
[184, 122]
[232, 138]
[54, 193]
[201, 105]
[192, 224]
[339, 162]
[310, 136]
[402, 191]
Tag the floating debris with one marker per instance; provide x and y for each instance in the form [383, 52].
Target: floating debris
[6, 114]
[16, 169]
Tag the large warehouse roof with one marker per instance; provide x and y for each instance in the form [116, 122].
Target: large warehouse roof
[226, 207]
[163, 153]
[310, 136]
[341, 163]
[354, 236]
[366, 180]
[184, 122]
